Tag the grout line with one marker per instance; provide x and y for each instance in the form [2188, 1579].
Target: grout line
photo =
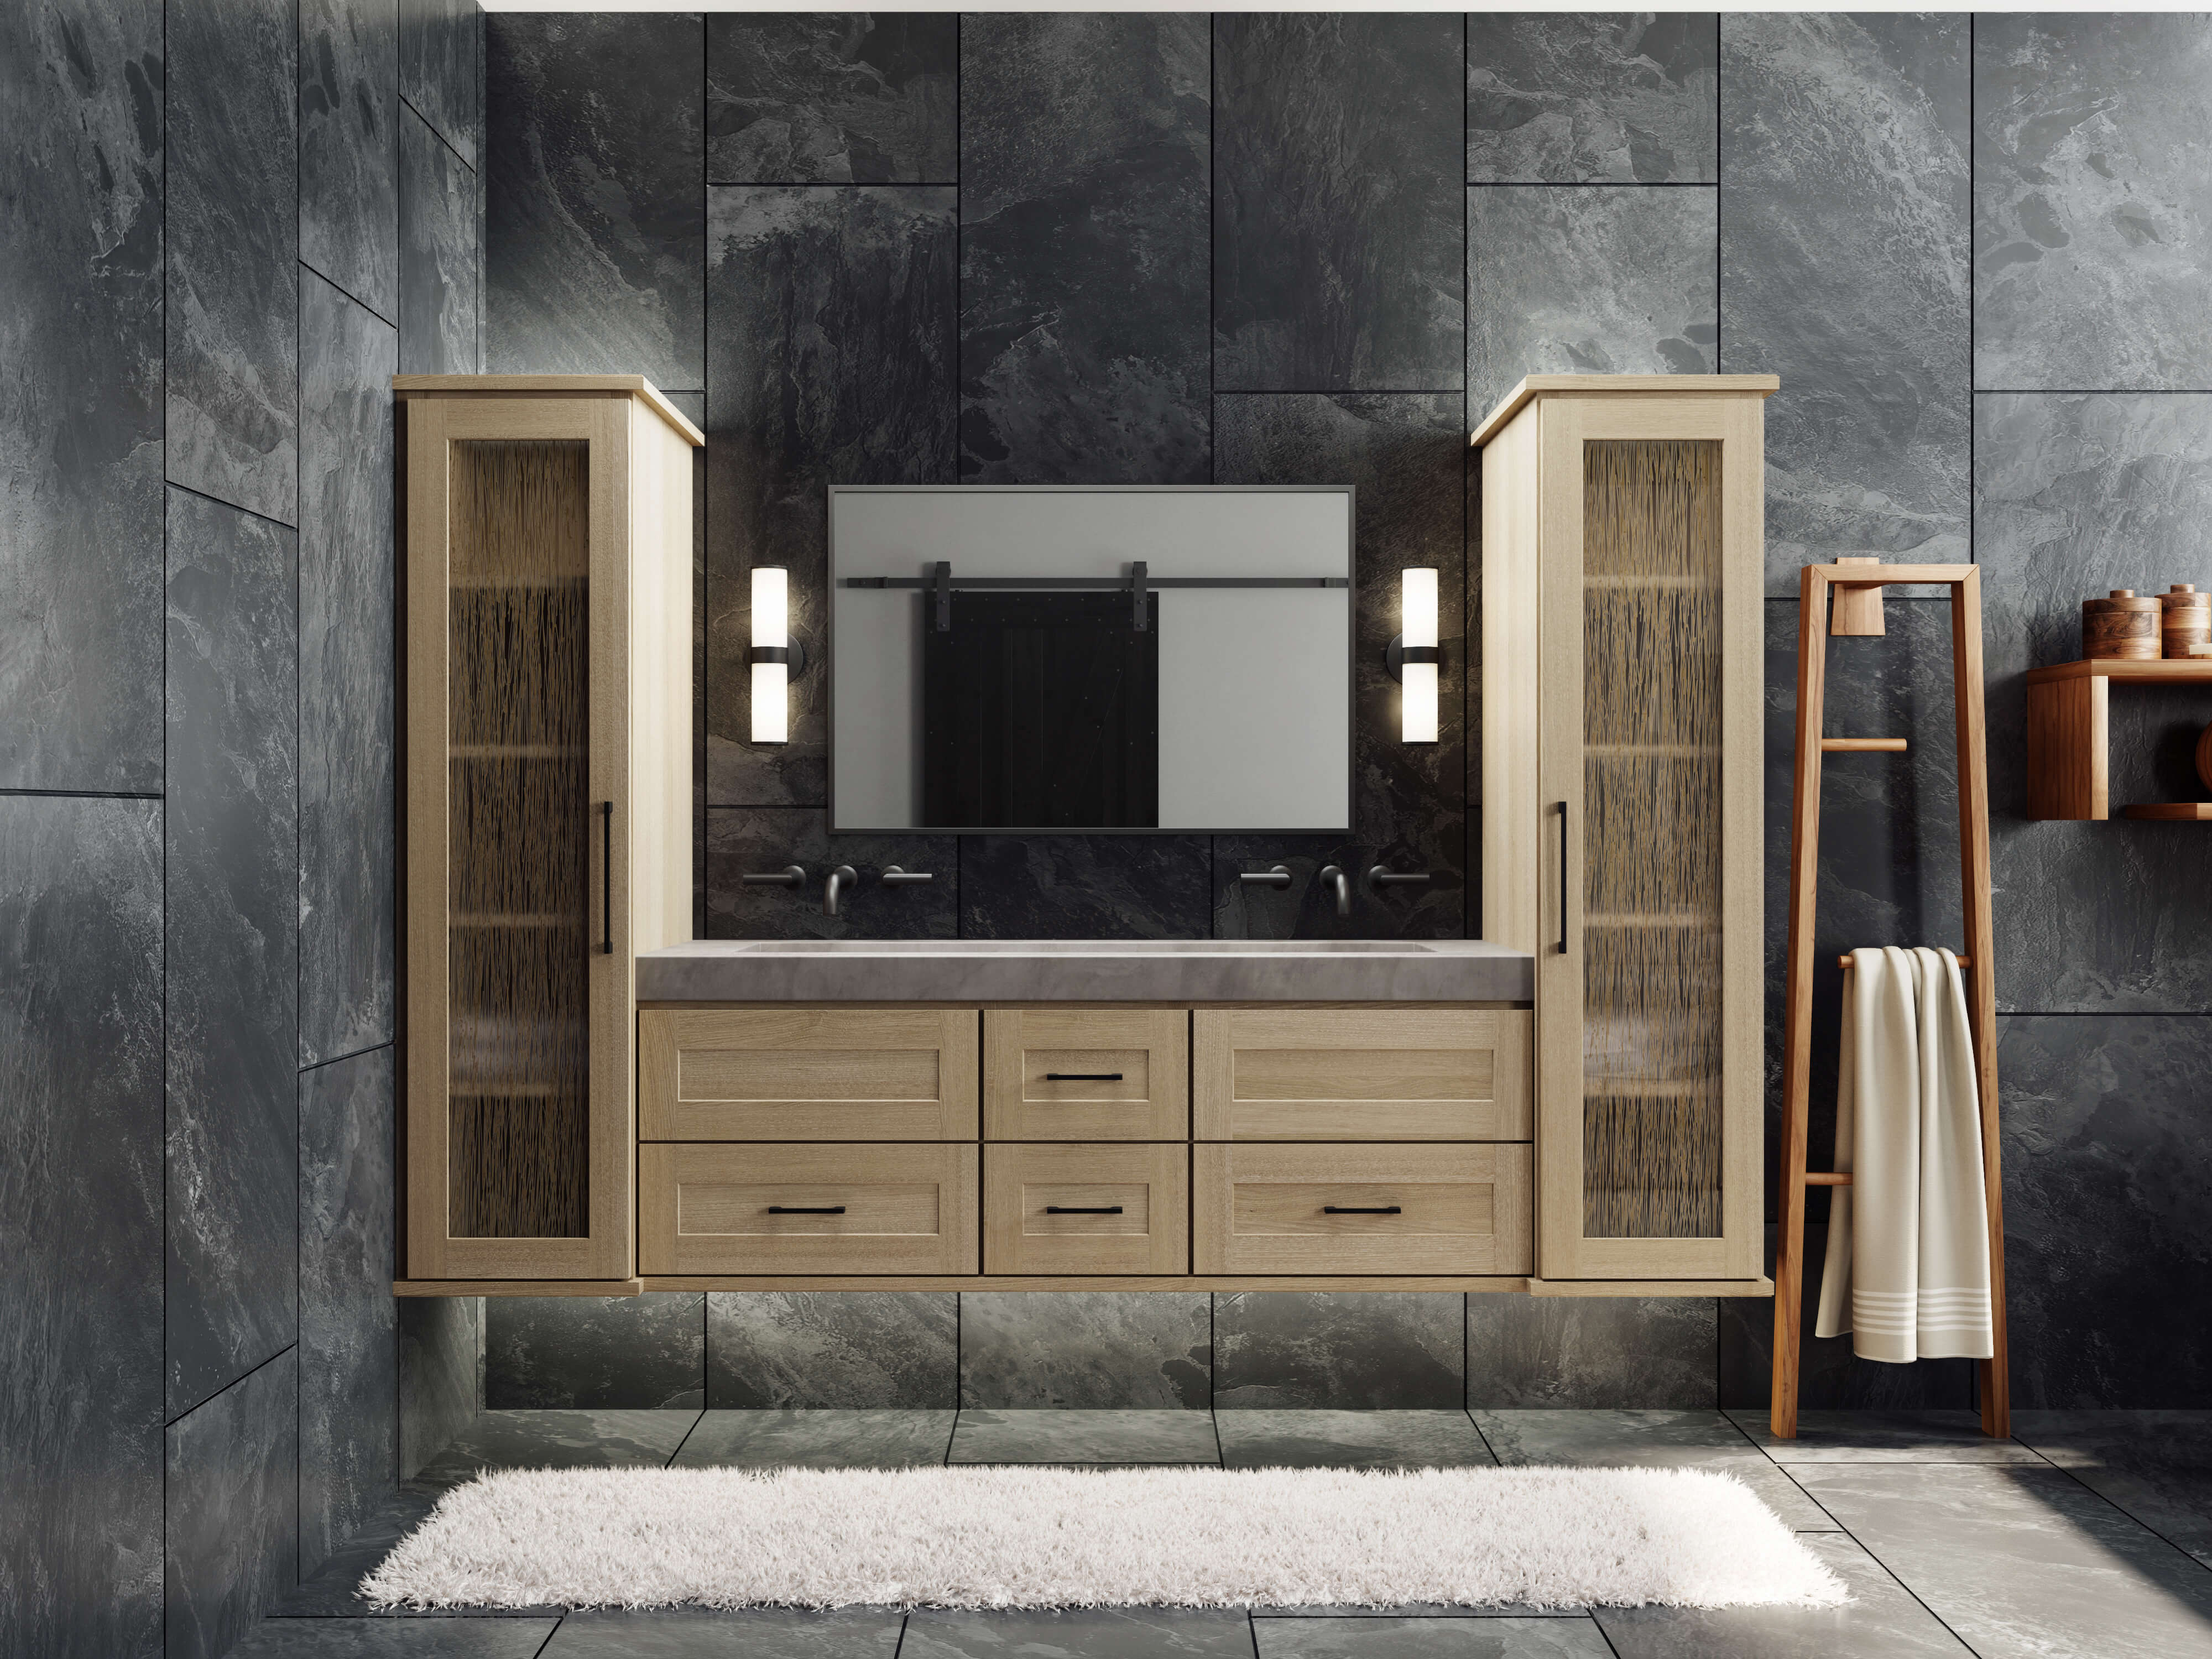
[172, 1422]
[325, 277]
[161, 1354]
[202, 494]
[92, 794]
[299, 933]
[334, 1059]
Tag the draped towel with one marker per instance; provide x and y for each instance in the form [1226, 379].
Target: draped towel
[1908, 1266]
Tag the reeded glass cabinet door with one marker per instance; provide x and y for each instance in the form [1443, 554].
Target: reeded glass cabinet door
[518, 983]
[1650, 1070]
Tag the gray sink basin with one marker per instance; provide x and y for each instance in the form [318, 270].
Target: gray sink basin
[1085, 970]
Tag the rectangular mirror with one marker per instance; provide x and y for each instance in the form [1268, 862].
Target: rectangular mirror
[1091, 658]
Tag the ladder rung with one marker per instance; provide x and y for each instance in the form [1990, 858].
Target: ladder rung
[1814, 1178]
[1845, 963]
[1862, 745]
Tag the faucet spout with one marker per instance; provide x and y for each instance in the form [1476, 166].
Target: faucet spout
[1332, 876]
[842, 878]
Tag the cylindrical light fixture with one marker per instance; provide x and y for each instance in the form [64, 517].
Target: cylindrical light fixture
[771, 654]
[1417, 654]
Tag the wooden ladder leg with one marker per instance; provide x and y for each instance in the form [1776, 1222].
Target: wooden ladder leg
[1994, 1375]
[1797, 1049]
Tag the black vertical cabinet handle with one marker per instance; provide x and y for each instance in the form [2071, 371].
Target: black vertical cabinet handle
[606, 878]
[1563, 878]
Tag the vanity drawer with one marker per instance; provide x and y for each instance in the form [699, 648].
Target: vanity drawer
[1043, 1208]
[835, 1209]
[1361, 1209]
[836, 1074]
[1062, 1073]
[1361, 1073]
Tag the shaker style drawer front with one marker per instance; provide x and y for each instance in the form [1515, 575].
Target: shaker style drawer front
[1370, 1072]
[1074, 1208]
[1361, 1209]
[1086, 1073]
[807, 1074]
[833, 1209]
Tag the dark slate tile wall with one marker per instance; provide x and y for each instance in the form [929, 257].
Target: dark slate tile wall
[585, 279]
[1594, 1353]
[765, 838]
[1084, 271]
[233, 1510]
[232, 290]
[349, 147]
[1028, 1349]
[1575, 98]
[441, 1374]
[595, 1352]
[1337, 255]
[810, 1349]
[232, 922]
[440, 76]
[81, 416]
[833, 98]
[81, 1226]
[438, 245]
[1349, 1350]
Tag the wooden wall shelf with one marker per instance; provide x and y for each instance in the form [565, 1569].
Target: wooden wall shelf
[2069, 740]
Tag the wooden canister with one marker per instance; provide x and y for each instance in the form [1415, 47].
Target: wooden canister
[2184, 619]
[2204, 757]
[2123, 625]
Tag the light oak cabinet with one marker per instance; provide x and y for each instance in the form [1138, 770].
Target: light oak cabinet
[1075, 1074]
[1364, 1210]
[838, 1208]
[1106, 1208]
[546, 725]
[1370, 1072]
[1622, 785]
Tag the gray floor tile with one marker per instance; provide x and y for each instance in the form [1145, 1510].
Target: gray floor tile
[1080, 1633]
[2022, 1561]
[1615, 1439]
[1429, 1638]
[557, 1440]
[1084, 1436]
[817, 1439]
[333, 1591]
[1918, 1436]
[1882, 1619]
[1421, 1610]
[2157, 1466]
[763, 1633]
[394, 1638]
[1353, 1440]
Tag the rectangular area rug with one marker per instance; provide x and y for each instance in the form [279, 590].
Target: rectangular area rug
[1017, 1537]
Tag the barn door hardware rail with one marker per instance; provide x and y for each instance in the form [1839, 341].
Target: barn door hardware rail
[1137, 583]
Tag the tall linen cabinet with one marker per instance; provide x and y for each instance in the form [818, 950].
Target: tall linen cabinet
[546, 813]
[1622, 551]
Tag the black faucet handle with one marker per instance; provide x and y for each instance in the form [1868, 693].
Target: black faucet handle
[895, 876]
[1382, 876]
[792, 875]
[1280, 876]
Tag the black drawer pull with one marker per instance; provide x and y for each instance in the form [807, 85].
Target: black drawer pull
[806, 1209]
[1083, 1209]
[1360, 1209]
[1082, 1077]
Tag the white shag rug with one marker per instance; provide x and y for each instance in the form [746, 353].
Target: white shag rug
[1000, 1537]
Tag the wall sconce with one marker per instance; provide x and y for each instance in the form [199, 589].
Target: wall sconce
[1412, 656]
[776, 656]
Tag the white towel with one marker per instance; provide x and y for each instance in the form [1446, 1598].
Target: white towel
[1908, 1267]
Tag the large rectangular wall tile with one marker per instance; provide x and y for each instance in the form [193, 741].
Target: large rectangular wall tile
[349, 1328]
[831, 361]
[2093, 201]
[233, 313]
[799, 98]
[439, 265]
[1588, 279]
[760, 839]
[81, 451]
[1337, 255]
[80, 1227]
[347, 357]
[233, 1510]
[1404, 454]
[439, 68]
[1086, 886]
[1341, 1350]
[1084, 265]
[1590, 1353]
[595, 239]
[349, 147]
[442, 1366]
[848, 1351]
[1100, 1350]
[1843, 270]
[233, 929]
[596, 1352]
[2076, 495]
[2105, 1147]
[1572, 98]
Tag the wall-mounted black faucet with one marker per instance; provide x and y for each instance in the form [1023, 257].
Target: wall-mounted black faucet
[841, 880]
[1332, 876]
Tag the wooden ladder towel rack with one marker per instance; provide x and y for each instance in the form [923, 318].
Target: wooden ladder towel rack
[1855, 585]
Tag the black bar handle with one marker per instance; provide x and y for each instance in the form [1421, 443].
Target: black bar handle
[1563, 878]
[606, 878]
[1083, 1209]
[806, 1209]
[1360, 1209]
[1082, 1077]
